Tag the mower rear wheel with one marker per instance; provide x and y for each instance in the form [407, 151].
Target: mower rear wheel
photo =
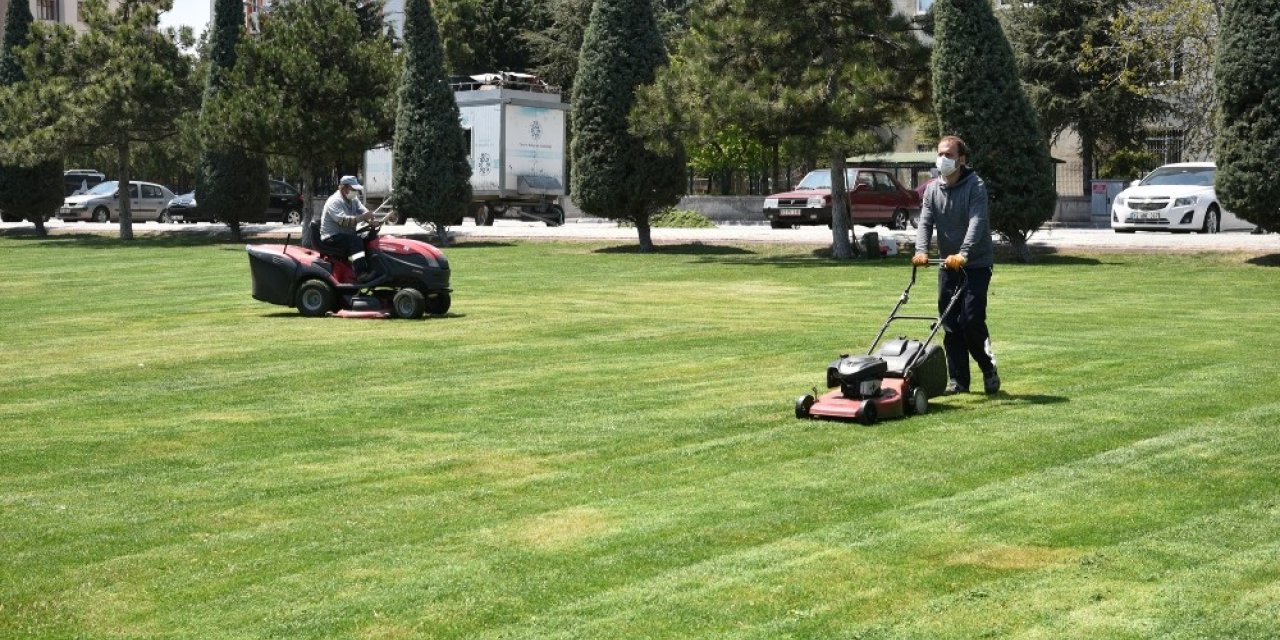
[918, 402]
[439, 304]
[315, 298]
[803, 404]
[408, 304]
[868, 412]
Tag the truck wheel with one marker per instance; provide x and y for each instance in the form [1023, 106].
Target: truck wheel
[555, 216]
[392, 218]
[439, 304]
[315, 298]
[408, 304]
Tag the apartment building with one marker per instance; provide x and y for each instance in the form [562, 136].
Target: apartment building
[59, 11]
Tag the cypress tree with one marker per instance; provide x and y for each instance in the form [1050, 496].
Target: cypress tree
[977, 96]
[230, 183]
[614, 174]
[33, 192]
[1247, 78]
[432, 175]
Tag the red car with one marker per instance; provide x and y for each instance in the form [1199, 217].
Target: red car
[875, 198]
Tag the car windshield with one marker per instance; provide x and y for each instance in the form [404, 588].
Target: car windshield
[103, 189]
[821, 179]
[1185, 176]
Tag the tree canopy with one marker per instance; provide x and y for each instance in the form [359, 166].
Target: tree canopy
[615, 174]
[311, 86]
[1248, 84]
[26, 192]
[432, 175]
[977, 96]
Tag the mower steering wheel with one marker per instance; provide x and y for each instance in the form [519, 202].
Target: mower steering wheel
[368, 229]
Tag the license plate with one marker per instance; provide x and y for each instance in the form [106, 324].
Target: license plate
[64, 211]
[789, 213]
[173, 217]
[1147, 215]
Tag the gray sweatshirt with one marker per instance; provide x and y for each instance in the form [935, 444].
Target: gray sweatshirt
[959, 212]
[340, 215]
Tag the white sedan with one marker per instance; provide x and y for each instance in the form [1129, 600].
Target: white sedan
[1175, 197]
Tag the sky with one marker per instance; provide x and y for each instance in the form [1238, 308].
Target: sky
[190, 13]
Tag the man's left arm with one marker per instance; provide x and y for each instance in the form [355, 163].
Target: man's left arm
[977, 218]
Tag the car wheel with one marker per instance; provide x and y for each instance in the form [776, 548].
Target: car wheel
[901, 219]
[439, 303]
[315, 298]
[408, 304]
[164, 217]
[1212, 221]
[292, 217]
[868, 412]
[392, 218]
[803, 404]
[101, 214]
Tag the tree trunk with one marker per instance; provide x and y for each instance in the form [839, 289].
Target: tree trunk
[234, 226]
[308, 206]
[642, 230]
[1021, 250]
[122, 194]
[841, 248]
[774, 174]
[39, 222]
[1087, 149]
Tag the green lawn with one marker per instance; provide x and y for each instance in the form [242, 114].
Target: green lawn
[601, 444]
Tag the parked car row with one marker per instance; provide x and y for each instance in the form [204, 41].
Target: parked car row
[150, 201]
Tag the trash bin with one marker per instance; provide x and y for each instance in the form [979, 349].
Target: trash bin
[871, 244]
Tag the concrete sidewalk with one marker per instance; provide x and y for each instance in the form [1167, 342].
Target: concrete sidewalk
[593, 229]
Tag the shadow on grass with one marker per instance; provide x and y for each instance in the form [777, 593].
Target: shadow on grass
[294, 315]
[163, 241]
[691, 249]
[1272, 260]
[1032, 398]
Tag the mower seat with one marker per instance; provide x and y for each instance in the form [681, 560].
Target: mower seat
[331, 253]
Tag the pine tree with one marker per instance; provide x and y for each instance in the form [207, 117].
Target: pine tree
[432, 175]
[615, 175]
[1247, 77]
[231, 183]
[30, 192]
[978, 97]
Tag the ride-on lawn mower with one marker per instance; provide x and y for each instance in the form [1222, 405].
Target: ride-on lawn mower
[898, 381]
[411, 278]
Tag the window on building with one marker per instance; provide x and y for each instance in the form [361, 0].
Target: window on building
[1166, 144]
[923, 6]
[47, 10]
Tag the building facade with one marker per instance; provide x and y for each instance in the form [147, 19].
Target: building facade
[57, 11]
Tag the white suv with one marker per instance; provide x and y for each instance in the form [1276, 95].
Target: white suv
[1175, 197]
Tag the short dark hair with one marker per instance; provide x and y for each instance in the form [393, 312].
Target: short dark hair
[961, 147]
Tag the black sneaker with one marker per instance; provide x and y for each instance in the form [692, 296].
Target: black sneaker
[954, 387]
[991, 382]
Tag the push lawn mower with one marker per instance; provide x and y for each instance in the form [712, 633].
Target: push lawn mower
[898, 381]
[411, 278]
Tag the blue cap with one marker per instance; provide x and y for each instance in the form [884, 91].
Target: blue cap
[351, 181]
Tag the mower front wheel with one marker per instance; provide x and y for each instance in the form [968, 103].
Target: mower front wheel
[315, 298]
[868, 412]
[803, 404]
[918, 402]
[408, 304]
[438, 304]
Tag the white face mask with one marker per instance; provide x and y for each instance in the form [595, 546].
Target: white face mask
[351, 195]
[946, 166]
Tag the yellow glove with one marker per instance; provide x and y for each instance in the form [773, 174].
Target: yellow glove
[920, 259]
[955, 261]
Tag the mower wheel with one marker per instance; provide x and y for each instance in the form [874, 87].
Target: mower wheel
[868, 413]
[315, 298]
[408, 304]
[438, 304]
[918, 402]
[803, 404]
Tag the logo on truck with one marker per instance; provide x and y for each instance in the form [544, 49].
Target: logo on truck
[484, 165]
[535, 130]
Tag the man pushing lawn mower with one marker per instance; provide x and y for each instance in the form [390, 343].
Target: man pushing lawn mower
[956, 205]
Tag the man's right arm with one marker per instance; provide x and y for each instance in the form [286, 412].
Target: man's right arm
[334, 210]
[924, 228]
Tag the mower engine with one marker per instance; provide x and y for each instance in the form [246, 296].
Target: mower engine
[857, 376]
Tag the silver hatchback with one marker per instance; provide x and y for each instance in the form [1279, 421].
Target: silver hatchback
[147, 201]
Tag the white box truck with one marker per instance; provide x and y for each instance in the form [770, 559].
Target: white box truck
[514, 126]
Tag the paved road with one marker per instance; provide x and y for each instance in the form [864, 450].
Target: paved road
[1090, 239]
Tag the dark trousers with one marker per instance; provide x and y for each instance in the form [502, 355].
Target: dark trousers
[348, 245]
[966, 326]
